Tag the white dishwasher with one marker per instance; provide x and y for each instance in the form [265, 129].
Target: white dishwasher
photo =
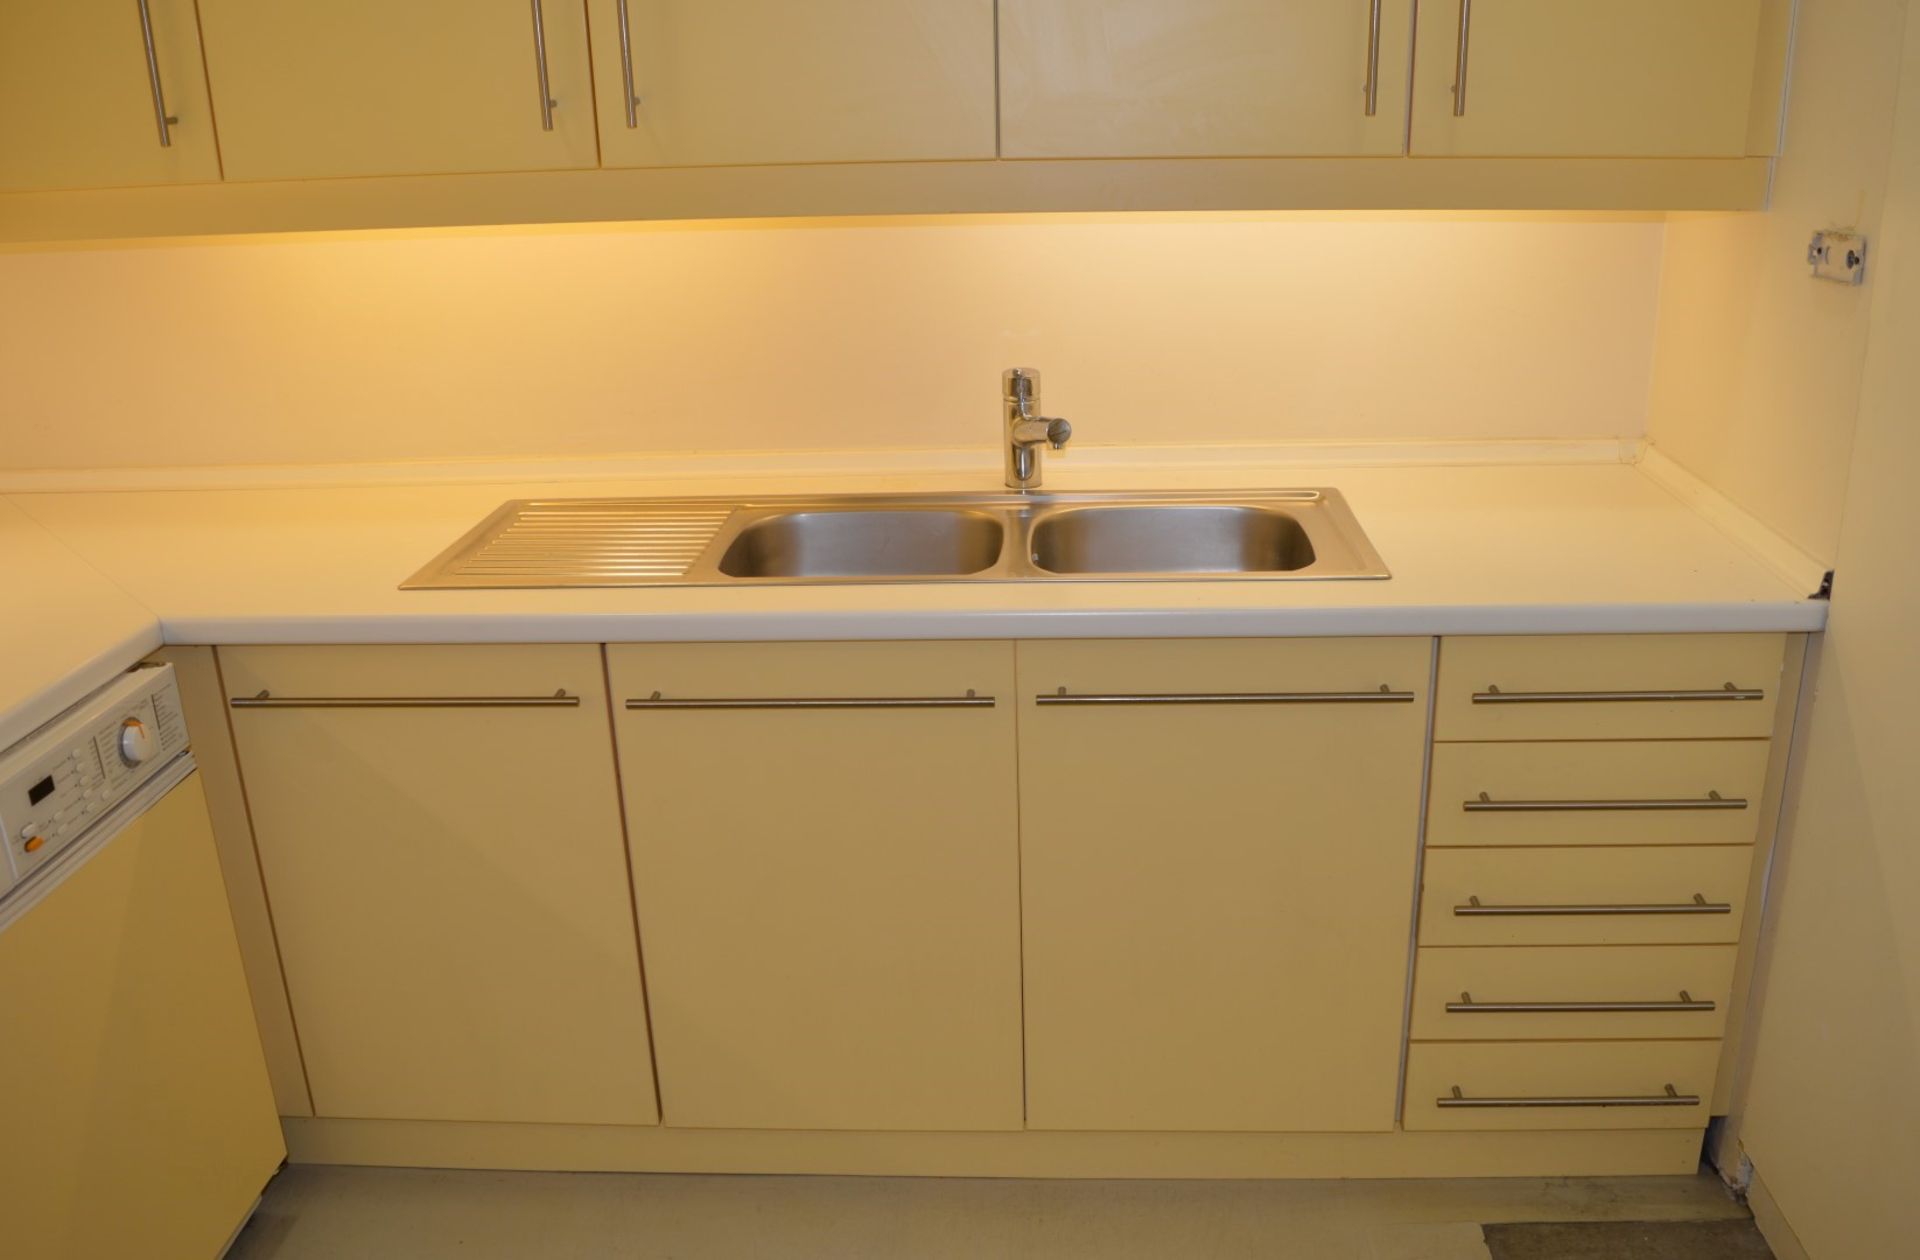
[136, 1119]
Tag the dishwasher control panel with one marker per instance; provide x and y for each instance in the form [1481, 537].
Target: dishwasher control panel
[59, 781]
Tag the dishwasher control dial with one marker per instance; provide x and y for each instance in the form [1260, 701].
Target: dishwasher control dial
[136, 742]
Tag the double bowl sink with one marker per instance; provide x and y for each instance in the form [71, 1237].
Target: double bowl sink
[990, 537]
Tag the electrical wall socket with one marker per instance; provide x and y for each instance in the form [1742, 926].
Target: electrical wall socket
[1838, 256]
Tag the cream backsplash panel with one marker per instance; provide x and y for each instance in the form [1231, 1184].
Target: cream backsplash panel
[528, 342]
[1757, 365]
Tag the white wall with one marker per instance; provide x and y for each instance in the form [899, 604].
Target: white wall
[1757, 366]
[1832, 1117]
[699, 337]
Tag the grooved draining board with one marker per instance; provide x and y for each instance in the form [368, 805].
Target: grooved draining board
[579, 542]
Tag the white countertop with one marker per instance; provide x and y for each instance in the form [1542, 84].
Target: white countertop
[1474, 550]
[67, 628]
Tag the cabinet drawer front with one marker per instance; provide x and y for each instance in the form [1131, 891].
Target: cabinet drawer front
[1539, 993]
[1609, 687]
[1560, 1084]
[1617, 896]
[1591, 793]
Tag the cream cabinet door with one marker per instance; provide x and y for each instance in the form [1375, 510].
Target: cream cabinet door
[311, 89]
[81, 105]
[826, 863]
[743, 82]
[1203, 78]
[1586, 78]
[439, 834]
[1217, 880]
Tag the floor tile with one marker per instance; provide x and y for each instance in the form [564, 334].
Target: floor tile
[1401, 1241]
[1628, 1240]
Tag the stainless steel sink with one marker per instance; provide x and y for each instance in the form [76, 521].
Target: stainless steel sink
[1251, 535]
[1183, 538]
[880, 542]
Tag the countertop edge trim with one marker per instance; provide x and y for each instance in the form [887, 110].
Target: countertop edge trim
[1758, 618]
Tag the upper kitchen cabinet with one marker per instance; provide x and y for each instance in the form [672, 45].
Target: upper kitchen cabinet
[312, 89]
[753, 82]
[1597, 78]
[1203, 78]
[446, 113]
[102, 93]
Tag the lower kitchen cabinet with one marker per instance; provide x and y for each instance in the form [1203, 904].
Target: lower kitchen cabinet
[1597, 809]
[439, 833]
[826, 864]
[889, 891]
[1218, 843]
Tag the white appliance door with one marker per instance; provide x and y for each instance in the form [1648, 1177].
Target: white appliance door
[135, 1114]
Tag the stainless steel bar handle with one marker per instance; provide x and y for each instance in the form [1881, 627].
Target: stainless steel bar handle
[267, 700]
[1467, 1006]
[1373, 59]
[626, 63]
[1493, 695]
[968, 701]
[1671, 1098]
[1699, 905]
[1712, 800]
[547, 103]
[161, 118]
[1386, 695]
[1460, 59]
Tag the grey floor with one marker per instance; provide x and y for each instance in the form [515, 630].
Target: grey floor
[317, 1213]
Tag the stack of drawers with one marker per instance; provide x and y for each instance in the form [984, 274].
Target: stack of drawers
[1591, 830]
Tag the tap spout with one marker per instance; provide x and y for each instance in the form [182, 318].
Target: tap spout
[1026, 429]
[1054, 432]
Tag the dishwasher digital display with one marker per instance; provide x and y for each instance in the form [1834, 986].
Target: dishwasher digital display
[40, 791]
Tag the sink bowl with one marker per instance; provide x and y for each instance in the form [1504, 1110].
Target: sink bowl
[1171, 538]
[928, 542]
